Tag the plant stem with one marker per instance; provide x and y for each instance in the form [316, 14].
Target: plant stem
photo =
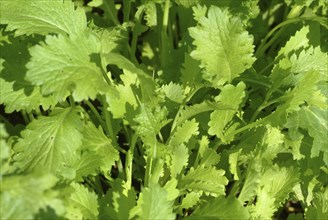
[129, 160]
[96, 113]
[25, 117]
[71, 101]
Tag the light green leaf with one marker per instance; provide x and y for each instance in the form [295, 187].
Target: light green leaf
[319, 210]
[119, 96]
[149, 122]
[276, 183]
[4, 148]
[231, 96]
[16, 93]
[315, 121]
[184, 132]
[221, 208]
[208, 180]
[47, 143]
[179, 159]
[23, 196]
[67, 69]
[230, 46]
[44, 17]
[116, 204]
[298, 41]
[190, 200]
[94, 140]
[153, 203]
[174, 92]
[82, 201]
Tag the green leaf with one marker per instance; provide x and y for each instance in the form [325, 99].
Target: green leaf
[149, 122]
[276, 183]
[94, 140]
[22, 196]
[319, 210]
[47, 145]
[208, 180]
[17, 93]
[221, 208]
[184, 132]
[174, 92]
[190, 71]
[153, 203]
[119, 96]
[67, 69]
[5, 151]
[179, 159]
[117, 202]
[82, 201]
[44, 17]
[230, 47]
[315, 121]
[231, 96]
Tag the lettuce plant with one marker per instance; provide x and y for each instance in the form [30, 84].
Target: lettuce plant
[162, 109]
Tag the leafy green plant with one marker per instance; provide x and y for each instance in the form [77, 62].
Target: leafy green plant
[159, 109]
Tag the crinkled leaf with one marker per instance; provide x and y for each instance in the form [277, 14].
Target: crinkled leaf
[221, 208]
[50, 143]
[184, 132]
[22, 196]
[17, 93]
[209, 180]
[82, 201]
[116, 204]
[174, 92]
[153, 203]
[231, 47]
[44, 17]
[231, 96]
[179, 159]
[315, 121]
[94, 140]
[67, 69]
[275, 185]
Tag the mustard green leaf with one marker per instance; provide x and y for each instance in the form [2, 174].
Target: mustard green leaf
[67, 69]
[44, 17]
[184, 132]
[231, 96]
[221, 208]
[47, 143]
[82, 201]
[22, 196]
[231, 47]
[17, 93]
[94, 140]
[201, 179]
[153, 203]
[319, 210]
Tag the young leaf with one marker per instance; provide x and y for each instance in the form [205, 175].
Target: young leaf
[231, 47]
[44, 17]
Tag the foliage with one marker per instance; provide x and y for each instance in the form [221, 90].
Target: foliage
[159, 109]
